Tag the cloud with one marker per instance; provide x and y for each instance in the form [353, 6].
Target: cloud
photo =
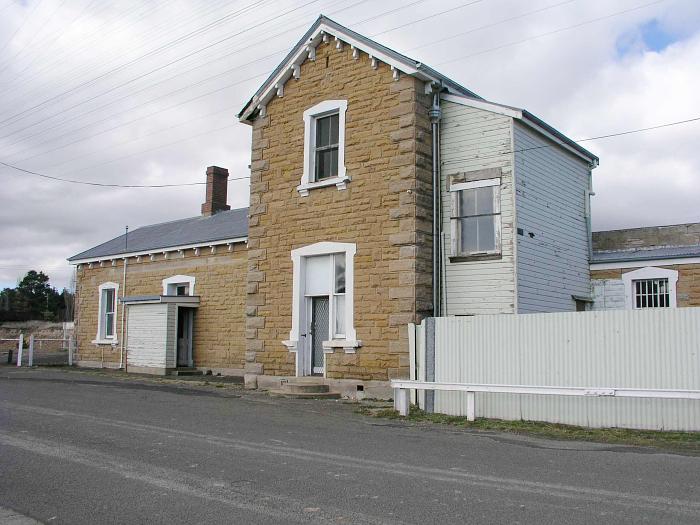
[150, 122]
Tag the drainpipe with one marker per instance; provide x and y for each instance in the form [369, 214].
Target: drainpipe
[435, 114]
[121, 337]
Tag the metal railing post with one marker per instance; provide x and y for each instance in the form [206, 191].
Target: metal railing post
[71, 347]
[30, 362]
[20, 348]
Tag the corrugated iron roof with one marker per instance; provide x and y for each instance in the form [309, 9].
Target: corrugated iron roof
[231, 224]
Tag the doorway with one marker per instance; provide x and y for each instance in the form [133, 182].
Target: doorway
[184, 336]
[318, 328]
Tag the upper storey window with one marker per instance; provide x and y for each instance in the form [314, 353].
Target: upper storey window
[326, 154]
[324, 146]
[476, 217]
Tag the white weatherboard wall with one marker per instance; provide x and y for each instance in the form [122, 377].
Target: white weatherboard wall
[654, 348]
[473, 139]
[151, 335]
[608, 294]
[551, 186]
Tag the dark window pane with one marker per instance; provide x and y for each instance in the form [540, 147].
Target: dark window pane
[468, 235]
[484, 200]
[467, 203]
[340, 273]
[322, 132]
[334, 125]
[487, 235]
[334, 162]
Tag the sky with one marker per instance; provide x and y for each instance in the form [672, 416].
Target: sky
[147, 92]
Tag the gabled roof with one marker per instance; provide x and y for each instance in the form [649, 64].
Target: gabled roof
[306, 48]
[224, 226]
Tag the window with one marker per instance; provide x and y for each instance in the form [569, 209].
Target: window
[476, 217]
[650, 287]
[651, 293]
[339, 295]
[324, 146]
[107, 313]
[179, 285]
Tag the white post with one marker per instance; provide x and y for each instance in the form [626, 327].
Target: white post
[71, 347]
[31, 351]
[20, 345]
[401, 401]
[471, 406]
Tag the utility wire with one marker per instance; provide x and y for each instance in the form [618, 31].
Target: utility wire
[548, 33]
[108, 185]
[235, 51]
[178, 40]
[493, 24]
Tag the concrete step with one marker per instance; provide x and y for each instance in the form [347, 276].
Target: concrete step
[304, 388]
[304, 395]
[186, 372]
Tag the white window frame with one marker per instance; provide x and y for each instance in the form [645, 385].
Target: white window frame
[171, 283]
[455, 235]
[100, 338]
[649, 272]
[349, 342]
[323, 109]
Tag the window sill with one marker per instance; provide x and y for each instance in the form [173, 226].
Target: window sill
[339, 182]
[111, 342]
[350, 347]
[476, 257]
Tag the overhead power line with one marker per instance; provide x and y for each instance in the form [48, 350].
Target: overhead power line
[114, 185]
[20, 115]
[108, 185]
[548, 33]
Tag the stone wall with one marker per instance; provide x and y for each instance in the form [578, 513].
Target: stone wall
[219, 324]
[687, 288]
[652, 236]
[385, 210]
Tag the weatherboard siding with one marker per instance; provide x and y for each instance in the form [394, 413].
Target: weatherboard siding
[553, 251]
[149, 335]
[474, 139]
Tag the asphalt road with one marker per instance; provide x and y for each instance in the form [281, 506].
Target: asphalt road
[81, 448]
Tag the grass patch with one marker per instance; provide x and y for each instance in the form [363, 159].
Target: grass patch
[686, 442]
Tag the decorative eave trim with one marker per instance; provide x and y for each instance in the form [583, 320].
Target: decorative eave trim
[302, 51]
[162, 250]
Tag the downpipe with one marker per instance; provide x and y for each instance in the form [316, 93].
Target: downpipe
[435, 114]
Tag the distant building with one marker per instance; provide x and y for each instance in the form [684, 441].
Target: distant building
[653, 267]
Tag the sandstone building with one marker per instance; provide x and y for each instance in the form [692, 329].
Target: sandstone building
[381, 192]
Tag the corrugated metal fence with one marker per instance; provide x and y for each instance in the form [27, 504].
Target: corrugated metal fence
[657, 348]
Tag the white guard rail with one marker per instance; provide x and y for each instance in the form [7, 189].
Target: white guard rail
[402, 390]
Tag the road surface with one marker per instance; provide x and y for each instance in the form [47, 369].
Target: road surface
[84, 448]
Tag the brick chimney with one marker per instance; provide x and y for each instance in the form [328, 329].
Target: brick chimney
[217, 183]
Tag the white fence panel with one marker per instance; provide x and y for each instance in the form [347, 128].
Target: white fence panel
[657, 348]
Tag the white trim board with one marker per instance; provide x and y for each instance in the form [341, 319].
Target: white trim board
[158, 250]
[641, 263]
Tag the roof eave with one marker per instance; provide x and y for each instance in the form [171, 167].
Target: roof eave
[323, 25]
[124, 255]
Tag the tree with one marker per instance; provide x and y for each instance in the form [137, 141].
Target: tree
[34, 298]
